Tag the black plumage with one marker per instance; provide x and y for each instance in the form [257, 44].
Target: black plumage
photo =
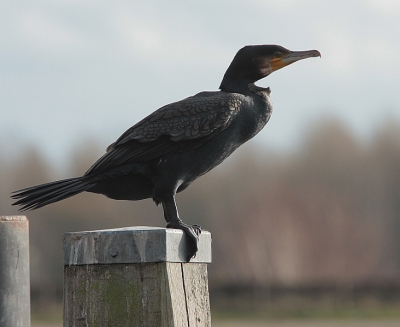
[166, 151]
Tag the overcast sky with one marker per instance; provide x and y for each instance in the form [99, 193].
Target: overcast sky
[73, 70]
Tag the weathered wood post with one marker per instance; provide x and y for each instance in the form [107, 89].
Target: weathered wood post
[135, 276]
[14, 272]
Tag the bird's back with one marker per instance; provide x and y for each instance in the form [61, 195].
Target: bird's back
[180, 127]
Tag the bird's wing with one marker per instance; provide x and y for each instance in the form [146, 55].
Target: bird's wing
[173, 128]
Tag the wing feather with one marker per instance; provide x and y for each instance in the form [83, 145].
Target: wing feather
[173, 128]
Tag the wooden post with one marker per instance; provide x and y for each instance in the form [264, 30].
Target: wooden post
[14, 272]
[135, 276]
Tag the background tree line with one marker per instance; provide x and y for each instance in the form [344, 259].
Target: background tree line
[325, 212]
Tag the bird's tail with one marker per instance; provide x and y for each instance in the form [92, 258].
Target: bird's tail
[38, 196]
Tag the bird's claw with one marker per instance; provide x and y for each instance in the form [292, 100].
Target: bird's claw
[197, 230]
[193, 232]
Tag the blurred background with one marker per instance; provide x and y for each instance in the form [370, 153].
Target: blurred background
[305, 218]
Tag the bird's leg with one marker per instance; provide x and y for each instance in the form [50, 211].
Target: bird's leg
[173, 221]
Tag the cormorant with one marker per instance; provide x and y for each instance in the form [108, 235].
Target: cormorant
[166, 151]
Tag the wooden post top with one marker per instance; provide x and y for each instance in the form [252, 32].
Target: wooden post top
[13, 218]
[137, 244]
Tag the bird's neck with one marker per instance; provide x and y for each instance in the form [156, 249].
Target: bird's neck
[235, 85]
[241, 86]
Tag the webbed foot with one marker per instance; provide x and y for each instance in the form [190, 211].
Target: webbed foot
[193, 232]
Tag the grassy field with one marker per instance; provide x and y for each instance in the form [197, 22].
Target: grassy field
[281, 323]
[308, 323]
[313, 318]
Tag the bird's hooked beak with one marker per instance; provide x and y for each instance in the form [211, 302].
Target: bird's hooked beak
[281, 60]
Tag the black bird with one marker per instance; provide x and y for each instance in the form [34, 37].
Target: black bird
[166, 151]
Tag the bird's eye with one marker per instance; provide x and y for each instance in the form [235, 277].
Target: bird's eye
[277, 55]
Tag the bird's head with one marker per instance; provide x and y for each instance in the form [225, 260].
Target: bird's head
[254, 62]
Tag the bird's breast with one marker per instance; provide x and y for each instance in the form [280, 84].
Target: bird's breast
[186, 166]
[254, 115]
